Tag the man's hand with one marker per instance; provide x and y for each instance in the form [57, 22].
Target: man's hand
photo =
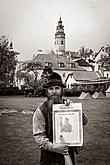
[67, 102]
[60, 148]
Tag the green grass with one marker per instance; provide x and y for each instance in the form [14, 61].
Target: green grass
[17, 146]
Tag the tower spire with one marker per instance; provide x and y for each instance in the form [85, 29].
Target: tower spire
[60, 16]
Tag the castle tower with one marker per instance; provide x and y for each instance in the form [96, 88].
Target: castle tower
[60, 38]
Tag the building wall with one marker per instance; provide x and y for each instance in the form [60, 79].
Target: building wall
[70, 81]
[58, 46]
[107, 74]
[40, 73]
[63, 74]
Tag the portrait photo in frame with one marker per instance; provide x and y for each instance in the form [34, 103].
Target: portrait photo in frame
[67, 124]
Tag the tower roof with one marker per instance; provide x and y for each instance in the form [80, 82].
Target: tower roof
[60, 27]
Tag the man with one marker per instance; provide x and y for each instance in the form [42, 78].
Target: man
[67, 127]
[51, 154]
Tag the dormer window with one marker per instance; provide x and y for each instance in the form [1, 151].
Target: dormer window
[48, 64]
[72, 65]
[61, 65]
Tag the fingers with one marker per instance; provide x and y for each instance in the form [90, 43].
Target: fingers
[64, 149]
[67, 102]
[65, 152]
[60, 148]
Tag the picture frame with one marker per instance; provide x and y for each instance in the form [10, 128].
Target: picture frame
[67, 124]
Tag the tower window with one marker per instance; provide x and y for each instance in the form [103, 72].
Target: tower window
[61, 42]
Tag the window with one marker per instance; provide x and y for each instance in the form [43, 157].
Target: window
[48, 64]
[61, 42]
[99, 67]
[72, 65]
[61, 64]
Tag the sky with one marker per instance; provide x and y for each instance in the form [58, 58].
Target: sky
[31, 24]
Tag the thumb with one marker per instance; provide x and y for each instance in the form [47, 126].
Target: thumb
[62, 139]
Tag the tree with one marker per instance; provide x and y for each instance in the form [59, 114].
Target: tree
[8, 62]
[46, 73]
[107, 49]
[33, 66]
[105, 59]
[30, 76]
[29, 79]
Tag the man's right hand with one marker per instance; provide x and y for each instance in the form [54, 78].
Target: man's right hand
[60, 148]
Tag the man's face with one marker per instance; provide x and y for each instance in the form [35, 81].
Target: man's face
[54, 93]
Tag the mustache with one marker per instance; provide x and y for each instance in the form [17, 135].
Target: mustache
[55, 95]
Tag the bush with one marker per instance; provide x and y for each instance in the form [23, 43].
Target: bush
[9, 90]
[68, 92]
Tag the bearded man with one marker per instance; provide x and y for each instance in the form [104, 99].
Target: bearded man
[51, 154]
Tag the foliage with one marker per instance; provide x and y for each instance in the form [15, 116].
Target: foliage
[30, 76]
[107, 49]
[45, 74]
[33, 66]
[29, 79]
[105, 59]
[7, 62]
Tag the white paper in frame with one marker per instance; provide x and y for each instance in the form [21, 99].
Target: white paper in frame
[67, 124]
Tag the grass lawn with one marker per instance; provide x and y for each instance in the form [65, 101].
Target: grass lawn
[17, 146]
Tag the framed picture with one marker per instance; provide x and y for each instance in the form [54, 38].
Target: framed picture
[67, 124]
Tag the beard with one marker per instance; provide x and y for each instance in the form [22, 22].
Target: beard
[54, 99]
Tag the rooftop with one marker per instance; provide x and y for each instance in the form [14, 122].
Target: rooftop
[55, 61]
